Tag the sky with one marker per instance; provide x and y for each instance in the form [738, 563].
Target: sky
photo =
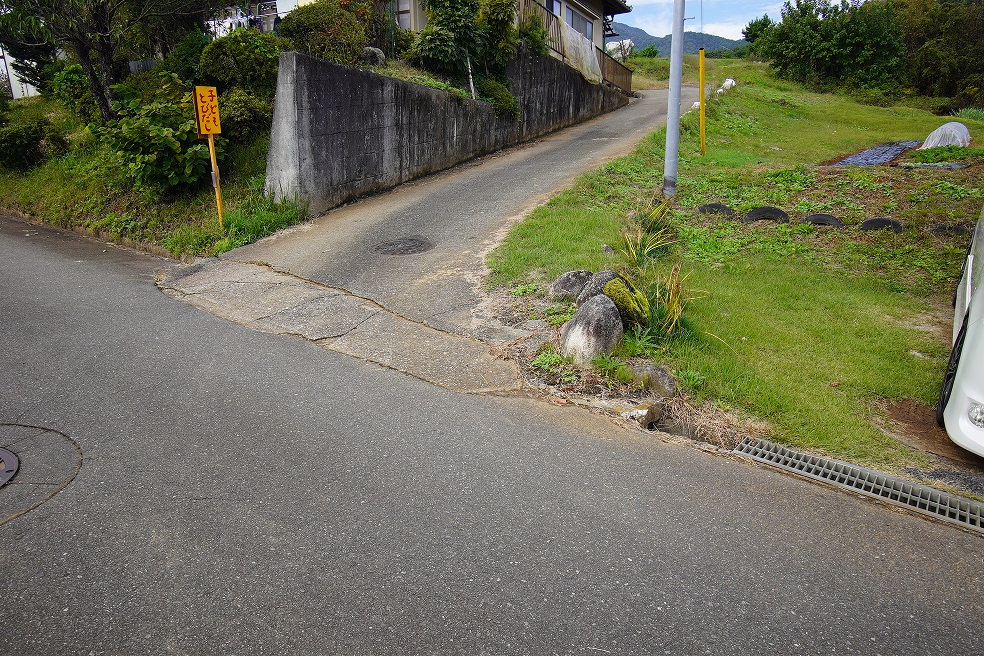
[725, 19]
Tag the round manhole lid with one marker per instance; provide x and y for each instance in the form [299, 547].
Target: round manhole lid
[8, 465]
[403, 246]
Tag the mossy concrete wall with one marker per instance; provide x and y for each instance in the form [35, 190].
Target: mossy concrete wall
[340, 132]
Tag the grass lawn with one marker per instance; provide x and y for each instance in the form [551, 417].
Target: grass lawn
[804, 328]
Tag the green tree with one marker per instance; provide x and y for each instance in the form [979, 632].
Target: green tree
[848, 43]
[93, 31]
[757, 28]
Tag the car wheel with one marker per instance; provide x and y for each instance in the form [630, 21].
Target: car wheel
[951, 373]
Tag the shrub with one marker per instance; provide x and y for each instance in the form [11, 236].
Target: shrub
[649, 51]
[185, 60]
[244, 58]
[503, 102]
[157, 85]
[158, 143]
[20, 145]
[534, 34]
[243, 114]
[71, 88]
[496, 21]
[325, 29]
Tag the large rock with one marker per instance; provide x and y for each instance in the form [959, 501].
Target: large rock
[595, 286]
[594, 329]
[373, 56]
[656, 379]
[633, 306]
[569, 285]
[948, 134]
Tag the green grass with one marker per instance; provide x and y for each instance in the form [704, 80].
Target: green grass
[802, 327]
[86, 188]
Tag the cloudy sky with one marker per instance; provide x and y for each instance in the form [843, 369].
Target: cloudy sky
[721, 18]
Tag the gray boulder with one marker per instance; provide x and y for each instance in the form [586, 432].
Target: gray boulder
[594, 329]
[948, 134]
[569, 285]
[656, 379]
[596, 286]
[373, 56]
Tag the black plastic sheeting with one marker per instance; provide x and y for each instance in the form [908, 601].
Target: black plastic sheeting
[882, 154]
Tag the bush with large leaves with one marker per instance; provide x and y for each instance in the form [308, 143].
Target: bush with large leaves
[158, 142]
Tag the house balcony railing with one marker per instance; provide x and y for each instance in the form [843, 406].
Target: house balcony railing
[612, 71]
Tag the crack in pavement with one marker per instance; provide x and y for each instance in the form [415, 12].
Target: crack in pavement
[283, 303]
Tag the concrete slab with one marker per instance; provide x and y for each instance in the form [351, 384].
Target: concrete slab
[320, 318]
[275, 302]
[448, 360]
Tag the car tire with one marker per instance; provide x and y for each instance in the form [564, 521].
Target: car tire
[951, 373]
[766, 213]
[825, 220]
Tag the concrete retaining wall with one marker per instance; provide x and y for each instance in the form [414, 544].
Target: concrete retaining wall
[340, 132]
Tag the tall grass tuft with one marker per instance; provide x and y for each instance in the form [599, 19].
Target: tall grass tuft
[972, 113]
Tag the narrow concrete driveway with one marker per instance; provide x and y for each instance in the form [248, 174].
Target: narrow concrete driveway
[462, 213]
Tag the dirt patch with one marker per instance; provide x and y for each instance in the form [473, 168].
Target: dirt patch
[915, 425]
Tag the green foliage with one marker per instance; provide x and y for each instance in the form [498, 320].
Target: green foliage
[757, 28]
[497, 25]
[151, 86]
[533, 33]
[185, 59]
[244, 58]
[525, 289]
[648, 52]
[71, 88]
[971, 113]
[503, 102]
[946, 154]
[158, 143]
[821, 43]
[244, 115]
[556, 366]
[945, 44]
[547, 360]
[451, 37]
[20, 145]
[639, 248]
[327, 29]
[259, 215]
[559, 315]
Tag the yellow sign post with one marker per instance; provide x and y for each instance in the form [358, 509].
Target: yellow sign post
[703, 115]
[207, 118]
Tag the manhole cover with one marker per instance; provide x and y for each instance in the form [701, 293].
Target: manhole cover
[8, 465]
[403, 246]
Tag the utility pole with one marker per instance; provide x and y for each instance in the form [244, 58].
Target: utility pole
[673, 108]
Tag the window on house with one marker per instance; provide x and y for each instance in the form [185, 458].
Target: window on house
[403, 14]
[553, 6]
[581, 23]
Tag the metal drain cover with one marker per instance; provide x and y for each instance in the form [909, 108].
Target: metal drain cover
[403, 246]
[9, 465]
[921, 498]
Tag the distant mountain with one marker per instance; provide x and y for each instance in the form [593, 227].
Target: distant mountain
[692, 41]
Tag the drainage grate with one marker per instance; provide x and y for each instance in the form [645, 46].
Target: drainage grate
[403, 246]
[9, 465]
[966, 513]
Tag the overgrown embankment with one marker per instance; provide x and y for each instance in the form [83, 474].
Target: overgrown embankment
[806, 328]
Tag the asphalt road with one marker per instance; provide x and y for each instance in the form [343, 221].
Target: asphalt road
[247, 493]
[461, 214]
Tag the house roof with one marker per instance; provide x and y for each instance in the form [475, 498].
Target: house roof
[613, 7]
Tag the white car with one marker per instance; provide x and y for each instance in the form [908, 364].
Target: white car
[961, 406]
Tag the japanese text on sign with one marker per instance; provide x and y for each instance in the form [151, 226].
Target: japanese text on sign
[207, 110]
